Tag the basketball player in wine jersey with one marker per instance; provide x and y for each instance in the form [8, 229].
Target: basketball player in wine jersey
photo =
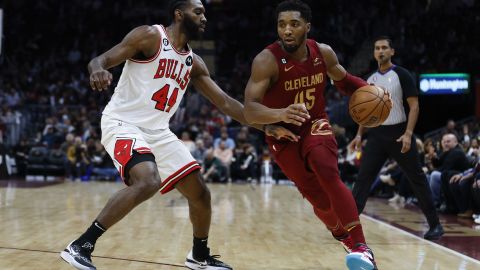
[286, 86]
[135, 127]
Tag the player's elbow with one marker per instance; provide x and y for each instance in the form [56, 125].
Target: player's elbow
[248, 117]
[248, 114]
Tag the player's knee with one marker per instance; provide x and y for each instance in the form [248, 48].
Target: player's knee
[202, 197]
[147, 183]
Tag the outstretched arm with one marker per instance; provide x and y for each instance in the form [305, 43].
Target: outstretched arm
[207, 87]
[144, 39]
[264, 71]
[345, 82]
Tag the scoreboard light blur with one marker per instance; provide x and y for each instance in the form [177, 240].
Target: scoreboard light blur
[444, 83]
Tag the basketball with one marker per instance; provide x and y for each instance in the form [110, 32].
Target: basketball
[369, 106]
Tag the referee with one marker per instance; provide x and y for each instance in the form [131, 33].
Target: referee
[394, 137]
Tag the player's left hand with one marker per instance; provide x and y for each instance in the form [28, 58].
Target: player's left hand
[385, 91]
[280, 132]
[406, 141]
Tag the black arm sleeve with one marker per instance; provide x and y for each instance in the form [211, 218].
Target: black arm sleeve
[407, 82]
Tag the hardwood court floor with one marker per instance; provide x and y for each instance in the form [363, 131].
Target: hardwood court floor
[253, 227]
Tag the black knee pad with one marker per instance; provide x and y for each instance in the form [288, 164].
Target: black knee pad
[137, 158]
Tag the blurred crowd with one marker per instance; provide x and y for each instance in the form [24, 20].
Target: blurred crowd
[451, 161]
[45, 99]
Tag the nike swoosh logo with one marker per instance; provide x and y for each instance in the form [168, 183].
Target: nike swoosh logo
[96, 223]
[287, 69]
[165, 49]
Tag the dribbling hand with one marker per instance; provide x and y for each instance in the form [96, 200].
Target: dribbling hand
[100, 80]
[295, 114]
[385, 91]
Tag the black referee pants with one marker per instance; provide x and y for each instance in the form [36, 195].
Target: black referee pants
[382, 144]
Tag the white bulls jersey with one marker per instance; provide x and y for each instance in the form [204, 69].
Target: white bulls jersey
[149, 92]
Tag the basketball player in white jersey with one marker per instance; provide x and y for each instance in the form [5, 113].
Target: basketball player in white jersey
[135, 132]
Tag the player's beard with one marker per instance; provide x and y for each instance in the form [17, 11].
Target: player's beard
[191, 28]
[290, 48]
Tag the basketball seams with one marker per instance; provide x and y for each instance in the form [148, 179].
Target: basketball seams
[380, 110]
[370, 113]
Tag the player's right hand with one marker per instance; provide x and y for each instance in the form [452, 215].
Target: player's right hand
[355, 144]
[100, 80]
[295, 114]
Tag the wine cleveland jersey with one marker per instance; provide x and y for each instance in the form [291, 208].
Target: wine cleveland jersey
[298, 82]
[149, 92]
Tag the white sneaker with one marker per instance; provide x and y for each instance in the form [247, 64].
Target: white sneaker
[477, 220]
[387, 179]
[397, 199]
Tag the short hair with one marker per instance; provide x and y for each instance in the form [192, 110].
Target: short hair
[295, 5]
[387, 38]
[174, 5]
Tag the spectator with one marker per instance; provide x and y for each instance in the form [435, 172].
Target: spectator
[224, 154]
[49, 138]
[244, 163]
[199, 152]
[452, 161]
[78, 159]
[212, 169]
[473, 150]
[103, 167]
[229, 142]
[460, 187]
[450, 127]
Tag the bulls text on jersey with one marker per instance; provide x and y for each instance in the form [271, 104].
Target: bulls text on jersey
[171, 68]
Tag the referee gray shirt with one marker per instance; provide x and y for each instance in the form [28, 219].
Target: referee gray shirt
[401, 85]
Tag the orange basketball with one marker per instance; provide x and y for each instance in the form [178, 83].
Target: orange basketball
[369, 106]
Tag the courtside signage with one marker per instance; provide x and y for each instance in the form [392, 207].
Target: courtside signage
[444, 83]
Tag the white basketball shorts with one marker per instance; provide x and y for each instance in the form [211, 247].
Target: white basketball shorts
[173, 159]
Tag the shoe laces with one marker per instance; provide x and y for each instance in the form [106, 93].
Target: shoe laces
[362, 248]
[212, 258]
[84, 251]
